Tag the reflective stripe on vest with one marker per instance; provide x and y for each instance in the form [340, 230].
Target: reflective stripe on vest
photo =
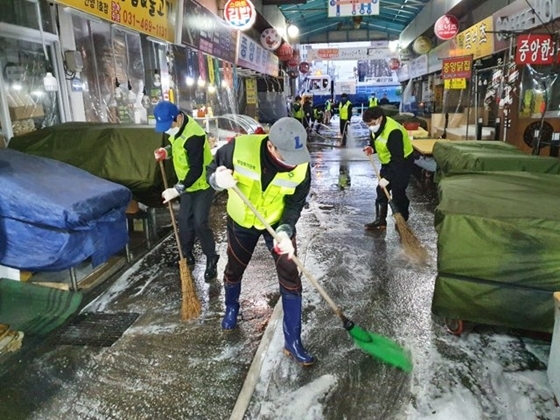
[247, 171]
[381, 142]
[180, 161]
[344, 110]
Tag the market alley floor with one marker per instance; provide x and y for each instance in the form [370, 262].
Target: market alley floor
[162, 368]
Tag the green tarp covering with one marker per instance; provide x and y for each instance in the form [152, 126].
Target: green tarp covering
[35, 310]
[119, 153]
[498, 248]
[454, 157]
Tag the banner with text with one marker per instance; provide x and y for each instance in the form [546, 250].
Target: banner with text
[206, 32]
[457, 68]
[477, 40]
[379, 51]
[535, 49]
[254, 57]
[154, 17]
[519, 16]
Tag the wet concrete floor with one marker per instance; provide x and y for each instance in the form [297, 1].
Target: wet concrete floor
[162, 368]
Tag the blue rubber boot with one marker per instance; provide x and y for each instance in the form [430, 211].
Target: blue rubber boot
[232, 305]
[292, 330]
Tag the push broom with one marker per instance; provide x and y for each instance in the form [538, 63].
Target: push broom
[190, 305]
[412, 246]
[375, 345]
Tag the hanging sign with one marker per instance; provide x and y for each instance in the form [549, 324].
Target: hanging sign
[352, 8]
[456, 68]
[535, 49]
[271, 39]
[446, 27]
[455, 84]
[154, 18]
[251, 86]
[252, 56]
[240, 14]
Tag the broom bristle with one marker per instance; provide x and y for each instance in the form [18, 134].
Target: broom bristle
[190, 306]
[412, 246]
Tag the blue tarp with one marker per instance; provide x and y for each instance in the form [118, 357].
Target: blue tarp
[54, 216]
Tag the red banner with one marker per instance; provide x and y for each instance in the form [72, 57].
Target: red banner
[457, 67]
[535, 49]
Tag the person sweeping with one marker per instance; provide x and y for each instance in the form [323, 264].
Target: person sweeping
[390, 141]
[272, 171]
[190, 151]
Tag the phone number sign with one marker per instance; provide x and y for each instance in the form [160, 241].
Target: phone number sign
[151, 17]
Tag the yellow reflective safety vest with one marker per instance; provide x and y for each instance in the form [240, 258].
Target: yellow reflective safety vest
[372, 102]
[180, 161]
[343, 110]
[298, 113]
[328, 105]
[247, 171]
[381, 141]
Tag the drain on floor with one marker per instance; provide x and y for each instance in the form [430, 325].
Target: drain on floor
[94, 329]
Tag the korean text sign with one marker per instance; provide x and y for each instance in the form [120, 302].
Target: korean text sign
[477, 40]
[535, 49]
[457, 67]
[151, 17]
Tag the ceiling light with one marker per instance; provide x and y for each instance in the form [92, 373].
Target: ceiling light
[293, 31]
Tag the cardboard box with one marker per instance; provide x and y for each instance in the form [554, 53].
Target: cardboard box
[24, 112]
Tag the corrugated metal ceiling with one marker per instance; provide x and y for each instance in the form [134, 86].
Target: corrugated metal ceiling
[315, 25]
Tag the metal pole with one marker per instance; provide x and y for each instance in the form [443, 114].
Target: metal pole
[476, 92]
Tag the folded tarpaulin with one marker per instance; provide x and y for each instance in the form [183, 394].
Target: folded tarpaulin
[456, 157]
[123, 154]
[54, 216]
[33, 309]
[498, 257]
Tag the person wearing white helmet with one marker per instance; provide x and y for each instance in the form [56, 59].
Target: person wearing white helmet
[273, 172]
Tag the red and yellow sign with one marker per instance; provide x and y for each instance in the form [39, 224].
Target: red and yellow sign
[456, 68]
[478, 40]
[535, 49]
[151, 17]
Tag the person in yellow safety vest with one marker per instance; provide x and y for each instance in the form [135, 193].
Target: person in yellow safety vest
[372, 100]
[273, 172]
[190, 151]
[328, 112]
[297, 109]
[345, 113]
[390, 141]
[318, 114]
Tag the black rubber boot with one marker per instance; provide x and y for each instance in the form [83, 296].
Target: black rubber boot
[380, 221]
[211, 267]
[190, 259]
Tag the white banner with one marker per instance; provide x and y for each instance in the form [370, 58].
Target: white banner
[419, 66]
[357, 53]
[339, 8]
[252, 55]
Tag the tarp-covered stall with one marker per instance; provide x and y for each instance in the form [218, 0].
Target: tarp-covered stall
[54, 216]
[498, 249]
[455, 157]
[123, 154]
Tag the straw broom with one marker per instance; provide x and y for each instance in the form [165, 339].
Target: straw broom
[412, 246]
[190, 305]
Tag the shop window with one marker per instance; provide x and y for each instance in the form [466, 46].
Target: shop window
[24, 66]
[538, 85]
[24, 13]
[113, 75]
